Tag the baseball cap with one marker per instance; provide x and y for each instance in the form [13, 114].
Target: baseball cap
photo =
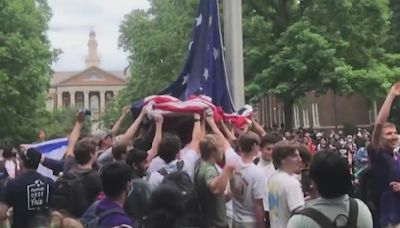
[101, 134]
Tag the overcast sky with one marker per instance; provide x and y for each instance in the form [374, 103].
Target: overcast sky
[72, 21]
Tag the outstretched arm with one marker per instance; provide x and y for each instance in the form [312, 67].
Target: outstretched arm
[128, 136]
[215, 130]
[197, 133]
[219, 183]
[157, 138]
[257, 128]
[384, 114]
[117, 124]
[228, 133]
[75, 133]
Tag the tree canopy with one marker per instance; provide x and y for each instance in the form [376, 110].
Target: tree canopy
[320, 46]
[290, 47]
[25, 59]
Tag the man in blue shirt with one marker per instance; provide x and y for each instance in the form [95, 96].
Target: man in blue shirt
[385, 167]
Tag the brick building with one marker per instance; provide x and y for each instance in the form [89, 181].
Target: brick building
[318, 111]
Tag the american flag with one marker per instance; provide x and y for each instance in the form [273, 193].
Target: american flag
[204, 70]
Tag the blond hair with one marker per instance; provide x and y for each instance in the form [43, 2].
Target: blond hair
[208, 145]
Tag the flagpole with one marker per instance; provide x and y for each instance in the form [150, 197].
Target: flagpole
[233, 38]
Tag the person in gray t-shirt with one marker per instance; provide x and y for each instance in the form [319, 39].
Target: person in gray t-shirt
[332, 180]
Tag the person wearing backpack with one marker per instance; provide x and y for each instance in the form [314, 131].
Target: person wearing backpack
[29, 195]
[77, 189]
[168, 151]
[248, 185]
[166, 208]
[109, 212]
[332, 179]
[138, 199]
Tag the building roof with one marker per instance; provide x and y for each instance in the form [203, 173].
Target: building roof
[64, 78]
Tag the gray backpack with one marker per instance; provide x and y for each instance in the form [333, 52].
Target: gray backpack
[325, 222]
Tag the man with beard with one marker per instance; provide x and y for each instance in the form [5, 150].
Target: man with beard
[385, 167]
[138, 200]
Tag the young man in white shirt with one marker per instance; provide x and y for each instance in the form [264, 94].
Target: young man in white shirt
[331, 176]
[285, 195]
[248, 186]
[264, 162]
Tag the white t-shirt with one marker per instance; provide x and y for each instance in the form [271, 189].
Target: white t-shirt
[156, 164]
[285, 195]
[11, 166]
[247, 184]
[189, 157]
[156, 178]
[106, 157]
[268, 169]
[331, 208]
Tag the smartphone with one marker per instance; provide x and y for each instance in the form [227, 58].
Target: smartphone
[87, 112]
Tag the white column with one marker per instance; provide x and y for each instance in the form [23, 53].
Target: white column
[102, 101]
[59, 100]
[72, 98]
[234, 49]
[86, 99]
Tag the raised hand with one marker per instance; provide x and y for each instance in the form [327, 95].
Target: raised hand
[395, 90]
[126, 109]
[209, 115]
[158, 118]
[80, 116]
[196, 116]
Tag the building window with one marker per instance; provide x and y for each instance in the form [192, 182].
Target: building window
[94, 102]
[306, 118]
[315, 115]
[79, 100]
[109, 96]
[66, 99]
[296, 116]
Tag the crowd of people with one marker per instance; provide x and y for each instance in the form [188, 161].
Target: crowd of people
[218, 176]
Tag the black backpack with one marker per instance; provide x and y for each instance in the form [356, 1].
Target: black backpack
[138, 201]
[70, 194]
[325, 222]
[192, 216]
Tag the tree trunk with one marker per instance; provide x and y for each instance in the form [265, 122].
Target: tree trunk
[288, 110]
